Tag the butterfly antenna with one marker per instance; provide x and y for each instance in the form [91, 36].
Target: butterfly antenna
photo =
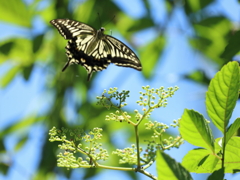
[99, 19]
[110, 20]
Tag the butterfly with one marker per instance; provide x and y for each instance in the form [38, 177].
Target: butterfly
[92, 49]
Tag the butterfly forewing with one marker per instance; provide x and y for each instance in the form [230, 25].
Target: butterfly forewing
[93, 49]
[69, 28]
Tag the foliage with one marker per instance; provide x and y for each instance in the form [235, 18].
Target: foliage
[215, 156]
[73, 142]
[220, 153]
[33, 46]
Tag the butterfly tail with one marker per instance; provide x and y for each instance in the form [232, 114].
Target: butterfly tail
[65, 66]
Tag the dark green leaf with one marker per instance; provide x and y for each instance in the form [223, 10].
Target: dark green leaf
[141, 24]
[4, 168]
[5, 48]
[218, 174]
[233, 46]
[198, 76]
[192, 6]
[37, 42]
[27, 71]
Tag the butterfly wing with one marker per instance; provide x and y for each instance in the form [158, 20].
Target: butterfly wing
[122, 55]
[93, 49]
[70, 28]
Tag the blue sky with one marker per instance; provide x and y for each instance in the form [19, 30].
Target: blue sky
[20, 97]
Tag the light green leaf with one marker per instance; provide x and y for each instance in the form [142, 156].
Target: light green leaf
[150, 55]
[9, 76]
[24, 123]
[200, 161]
[195, 129]
[222, 95]
[20, 53]
[232, 155]
[15, 12]
[168, 168]
[21, 142]
[232, 129]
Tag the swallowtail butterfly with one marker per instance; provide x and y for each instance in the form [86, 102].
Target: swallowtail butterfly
[92, 48]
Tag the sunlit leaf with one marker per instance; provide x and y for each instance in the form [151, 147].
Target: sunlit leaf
[200, 161]
[222, 95]
[233, 129]
[21, 143]
[9, 76]
[232, 155]
[168, 168]
[15, 12]
[195, 129]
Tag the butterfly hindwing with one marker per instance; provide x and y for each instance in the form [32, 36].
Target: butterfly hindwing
[122, 55]
[92, 48]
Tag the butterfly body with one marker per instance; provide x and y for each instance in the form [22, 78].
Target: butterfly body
[92, 49]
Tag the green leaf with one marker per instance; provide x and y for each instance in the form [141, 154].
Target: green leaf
[4, 168]
[21, 142]
[24, 123]
[195, 129]
[21, 52]
[168, 168]
[222, 95]
[218, 174]
[233, 46]
[198, 76]
[37, 42]
[211, 37]
[200, 161]
[151, 53]
[232, 129]
[141, 24]
[15, 12]
[6, 47]
[232, 154]
[192, 6]
[9, 76]
[27, 71]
